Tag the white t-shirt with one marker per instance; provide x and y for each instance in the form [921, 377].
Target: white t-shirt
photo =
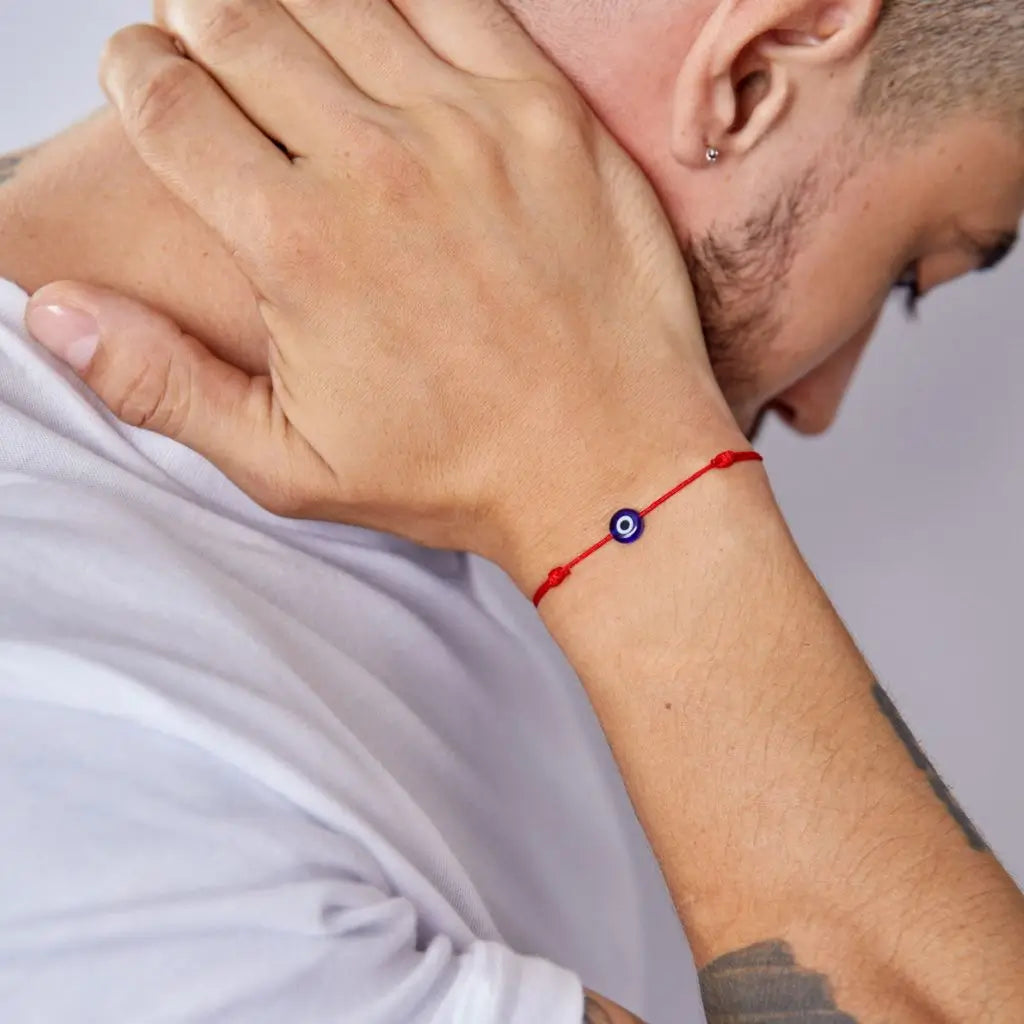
[255, 771]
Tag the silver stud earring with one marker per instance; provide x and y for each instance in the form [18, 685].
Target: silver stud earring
[712, 154]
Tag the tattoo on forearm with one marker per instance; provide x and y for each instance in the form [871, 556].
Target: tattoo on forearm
[8, 166]
[763, 984]
[940, 789]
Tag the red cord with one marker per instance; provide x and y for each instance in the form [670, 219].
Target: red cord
[724, 460]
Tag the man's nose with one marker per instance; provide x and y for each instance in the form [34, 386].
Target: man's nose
[810, 406]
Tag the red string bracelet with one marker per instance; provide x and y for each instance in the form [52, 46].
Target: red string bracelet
[627, 524]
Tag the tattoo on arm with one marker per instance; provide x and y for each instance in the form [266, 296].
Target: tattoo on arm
[939, 788]
[763, 984]
[9, 164]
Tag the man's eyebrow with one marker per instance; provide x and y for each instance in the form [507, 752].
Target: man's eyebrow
[991, 254]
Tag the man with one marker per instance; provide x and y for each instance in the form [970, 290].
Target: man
[244, 727]
[796, 203]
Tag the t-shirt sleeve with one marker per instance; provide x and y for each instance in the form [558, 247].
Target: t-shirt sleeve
[143, 881]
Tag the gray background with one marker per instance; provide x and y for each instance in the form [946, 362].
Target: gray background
[909, 510]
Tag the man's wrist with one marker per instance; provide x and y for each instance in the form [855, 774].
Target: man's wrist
[575, 512]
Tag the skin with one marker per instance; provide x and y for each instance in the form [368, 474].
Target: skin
[931, 211]
[787, 333]
[833, 877]
[849, 969]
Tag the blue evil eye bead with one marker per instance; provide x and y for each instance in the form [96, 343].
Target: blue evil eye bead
[626, 526]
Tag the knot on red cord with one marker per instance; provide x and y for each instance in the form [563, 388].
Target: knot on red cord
[558, 576]
[724, 460]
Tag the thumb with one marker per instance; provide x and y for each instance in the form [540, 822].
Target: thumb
[151, 374]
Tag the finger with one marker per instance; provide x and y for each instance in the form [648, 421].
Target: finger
[152, 375]
[375, 47]
[273, 70]
[193, 138]
[479, 36]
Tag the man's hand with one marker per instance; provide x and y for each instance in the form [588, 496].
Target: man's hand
[471, 294]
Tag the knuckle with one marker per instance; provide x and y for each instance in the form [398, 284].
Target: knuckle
[218, 26]
[550, 114]
[160, 97]
[375, 141]
[280, 220]
[465, 138]
[156, 399]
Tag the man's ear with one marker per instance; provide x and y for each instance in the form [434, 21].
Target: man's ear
[737, 80]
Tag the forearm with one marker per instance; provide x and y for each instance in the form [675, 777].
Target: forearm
[764, 765]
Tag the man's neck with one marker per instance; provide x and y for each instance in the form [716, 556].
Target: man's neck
[83, 207]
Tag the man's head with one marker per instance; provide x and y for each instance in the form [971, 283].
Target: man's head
[861, 143]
